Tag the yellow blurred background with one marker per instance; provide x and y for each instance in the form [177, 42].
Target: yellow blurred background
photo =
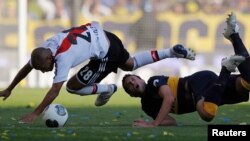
[141, 25]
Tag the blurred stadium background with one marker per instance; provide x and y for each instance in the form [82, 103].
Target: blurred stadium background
[141, 24]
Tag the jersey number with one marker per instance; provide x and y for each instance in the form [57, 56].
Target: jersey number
[87, 75]
[72, 35]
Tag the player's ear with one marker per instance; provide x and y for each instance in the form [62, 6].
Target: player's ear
[49, 57]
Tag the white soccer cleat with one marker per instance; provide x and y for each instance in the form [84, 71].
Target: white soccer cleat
[103, 98]
[232, 26]
[180, 51]
[232, 62]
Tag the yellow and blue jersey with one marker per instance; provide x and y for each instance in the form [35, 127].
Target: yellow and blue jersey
[151, 101]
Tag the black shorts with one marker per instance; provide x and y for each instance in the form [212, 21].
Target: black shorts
[231, 96]
[199, 82]
[96, 70]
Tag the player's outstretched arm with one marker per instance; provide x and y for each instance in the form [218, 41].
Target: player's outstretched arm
[168, 121]
[163, 115]
[48, 99]
[19, 76]
[168, 99]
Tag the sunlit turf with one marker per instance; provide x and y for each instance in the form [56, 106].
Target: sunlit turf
[111, 122]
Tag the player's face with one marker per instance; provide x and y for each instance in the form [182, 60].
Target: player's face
[48, 65]
[134, 85]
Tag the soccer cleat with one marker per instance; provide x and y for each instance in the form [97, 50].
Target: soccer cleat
[180, 51]
[232, 26]
[232, 62]
[103, 98]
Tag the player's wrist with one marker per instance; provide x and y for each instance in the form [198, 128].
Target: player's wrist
[154, 123]
[9, 89]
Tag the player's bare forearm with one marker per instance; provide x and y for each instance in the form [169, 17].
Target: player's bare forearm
[31, 117]
[20, 76]
[49, 98]
[168, 99]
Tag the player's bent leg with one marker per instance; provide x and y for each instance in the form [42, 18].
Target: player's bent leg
[129, 64]
[105, 92]
[238, 45]
[73, 85]
[208, 105]
[92, 89]
[232, 33]
[148, 57]
[240, 49]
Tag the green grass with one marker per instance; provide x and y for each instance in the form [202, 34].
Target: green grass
[111, 122]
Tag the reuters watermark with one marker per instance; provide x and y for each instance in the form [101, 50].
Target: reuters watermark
[241, 132]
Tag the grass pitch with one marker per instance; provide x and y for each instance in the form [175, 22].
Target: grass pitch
[111, 122]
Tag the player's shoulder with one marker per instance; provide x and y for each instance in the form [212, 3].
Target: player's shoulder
[157, 80]
[157, 77]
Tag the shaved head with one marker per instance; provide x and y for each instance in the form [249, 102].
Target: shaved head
[39, 57]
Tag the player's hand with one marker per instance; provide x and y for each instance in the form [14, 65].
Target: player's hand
[29, 118]
[5, 94]
[142, 123]
[139, 120]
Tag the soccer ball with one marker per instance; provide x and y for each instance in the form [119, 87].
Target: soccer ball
[55, 115]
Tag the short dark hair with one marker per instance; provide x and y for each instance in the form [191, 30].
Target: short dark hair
[39, 56]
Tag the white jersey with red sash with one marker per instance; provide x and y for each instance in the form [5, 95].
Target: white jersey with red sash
[76, 45]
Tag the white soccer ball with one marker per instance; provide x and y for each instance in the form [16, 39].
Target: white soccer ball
[55, 115]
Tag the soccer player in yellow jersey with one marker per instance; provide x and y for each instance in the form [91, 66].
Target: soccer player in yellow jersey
[202, 91]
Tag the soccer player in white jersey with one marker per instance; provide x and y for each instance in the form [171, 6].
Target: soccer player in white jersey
[74, 46]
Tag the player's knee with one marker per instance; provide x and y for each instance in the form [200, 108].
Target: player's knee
[210, 110]
[207, 110]
[69, 88]
[128, 66]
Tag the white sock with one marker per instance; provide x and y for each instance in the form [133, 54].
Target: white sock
[165, 53]
[148, 57]
[94, 89]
